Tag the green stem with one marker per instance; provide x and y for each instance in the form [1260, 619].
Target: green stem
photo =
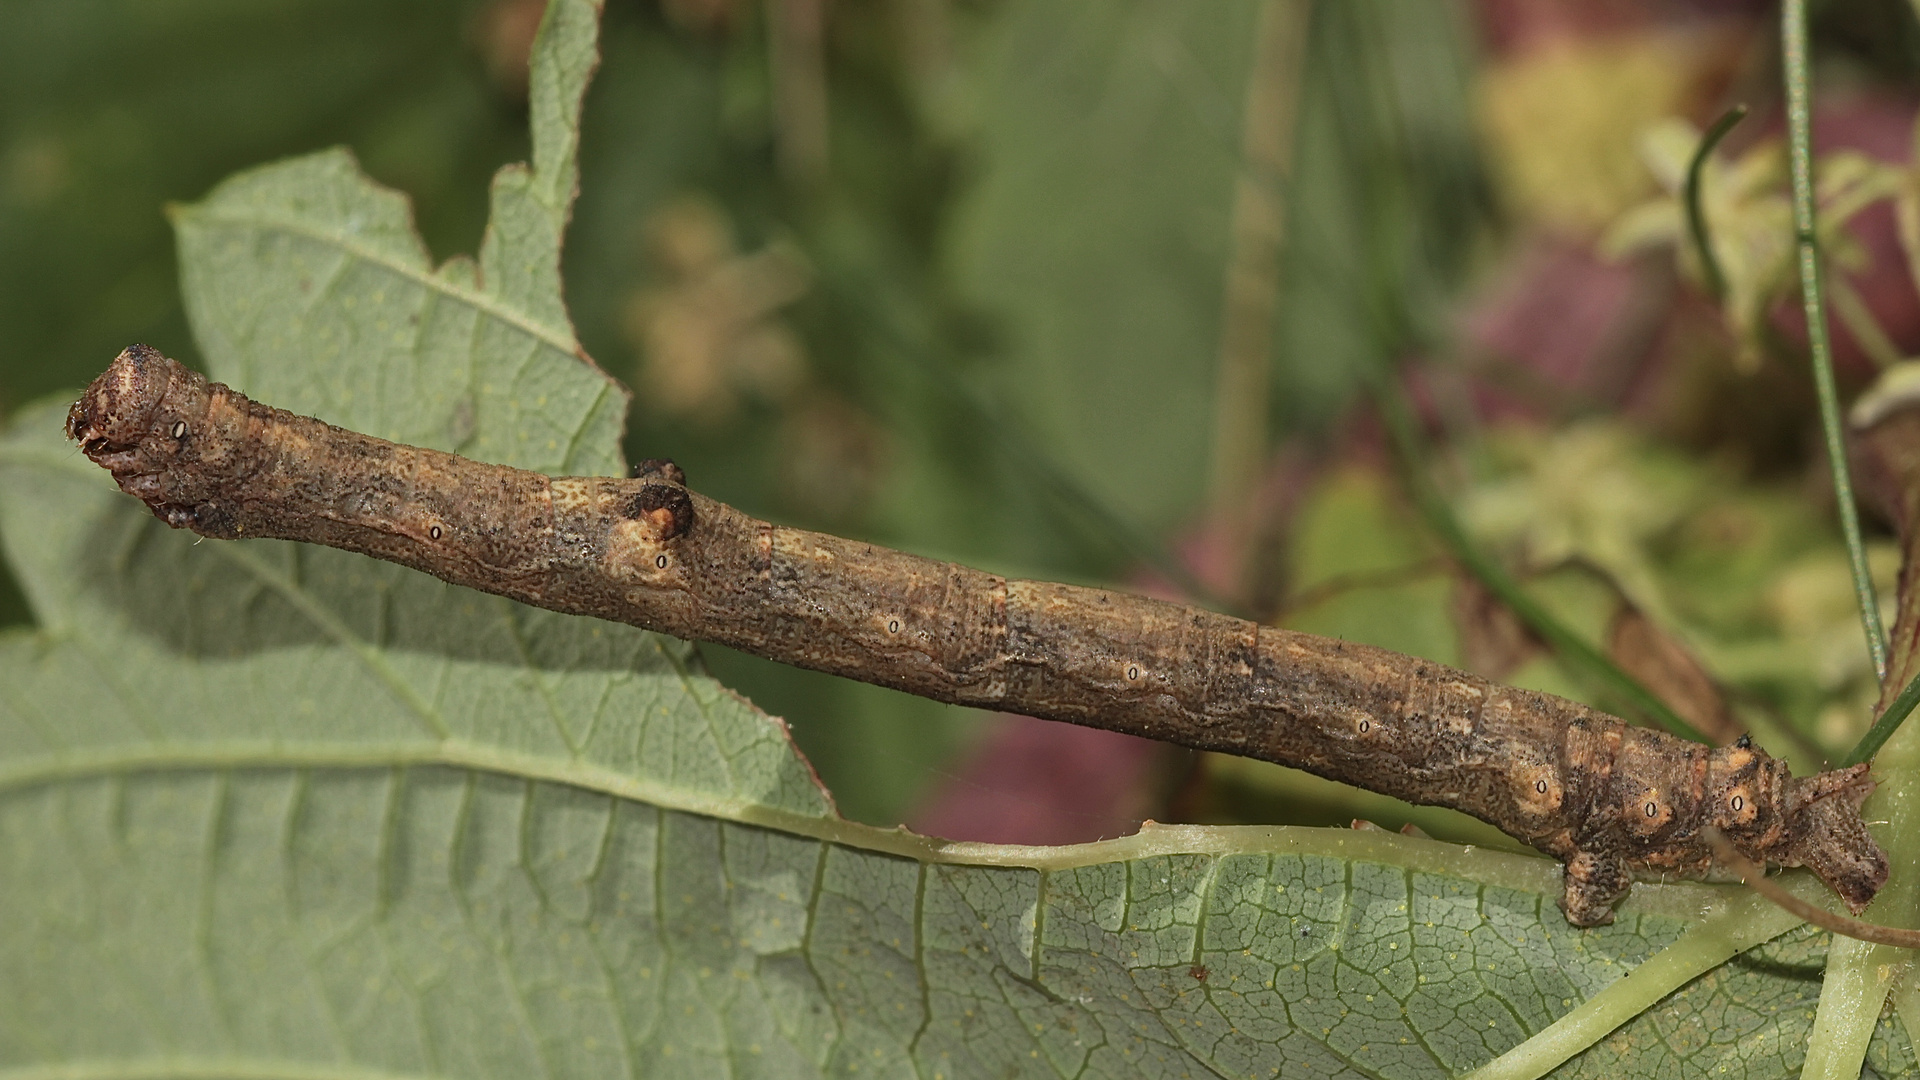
[1743, 924]
[1897, 712]
[1696, 217]
[1564, 642]
[1858, 975]
[1793, 32]
[1851, 997]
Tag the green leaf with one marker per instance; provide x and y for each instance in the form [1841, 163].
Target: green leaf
[465, 922]
[311, 290]
[307, 266]
[271, 810]
[108, 110]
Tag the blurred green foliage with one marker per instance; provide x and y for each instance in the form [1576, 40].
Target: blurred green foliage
[1751, 577]
[109, 110]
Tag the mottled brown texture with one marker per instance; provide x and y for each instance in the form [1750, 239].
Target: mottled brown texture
[1607, 799]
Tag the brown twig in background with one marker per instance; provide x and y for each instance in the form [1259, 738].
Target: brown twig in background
[1252, 287]
[797, 61]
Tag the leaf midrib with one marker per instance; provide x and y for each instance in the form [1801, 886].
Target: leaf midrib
[1690, 901]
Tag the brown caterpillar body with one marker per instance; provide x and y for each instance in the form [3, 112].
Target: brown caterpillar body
[1608, 799]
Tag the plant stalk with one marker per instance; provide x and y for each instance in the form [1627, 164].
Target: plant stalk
[1793, 30]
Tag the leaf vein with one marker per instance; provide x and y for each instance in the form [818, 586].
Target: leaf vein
[482, 301]
[328, 622]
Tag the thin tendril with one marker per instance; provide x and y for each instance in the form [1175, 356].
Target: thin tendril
[1696, 218]
[1800, 154]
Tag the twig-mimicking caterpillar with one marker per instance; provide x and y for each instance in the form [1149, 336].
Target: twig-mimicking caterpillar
[1607, 799]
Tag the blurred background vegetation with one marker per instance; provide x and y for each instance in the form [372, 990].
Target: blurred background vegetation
[1093, 292]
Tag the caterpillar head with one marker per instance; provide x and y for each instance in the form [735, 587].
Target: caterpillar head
[139, 420]
[1824, 833]
[119, 409]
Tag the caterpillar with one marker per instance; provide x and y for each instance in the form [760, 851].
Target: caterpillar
[1609, 800]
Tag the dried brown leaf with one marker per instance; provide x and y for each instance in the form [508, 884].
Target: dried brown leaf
[1493, 640]
[1668, 668]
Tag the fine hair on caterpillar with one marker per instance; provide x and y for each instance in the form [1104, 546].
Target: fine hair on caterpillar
[1609, 800]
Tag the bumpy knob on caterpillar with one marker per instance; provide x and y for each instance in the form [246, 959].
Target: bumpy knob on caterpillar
[662, 503]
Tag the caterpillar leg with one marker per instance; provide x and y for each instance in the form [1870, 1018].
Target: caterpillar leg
[1594, 884]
